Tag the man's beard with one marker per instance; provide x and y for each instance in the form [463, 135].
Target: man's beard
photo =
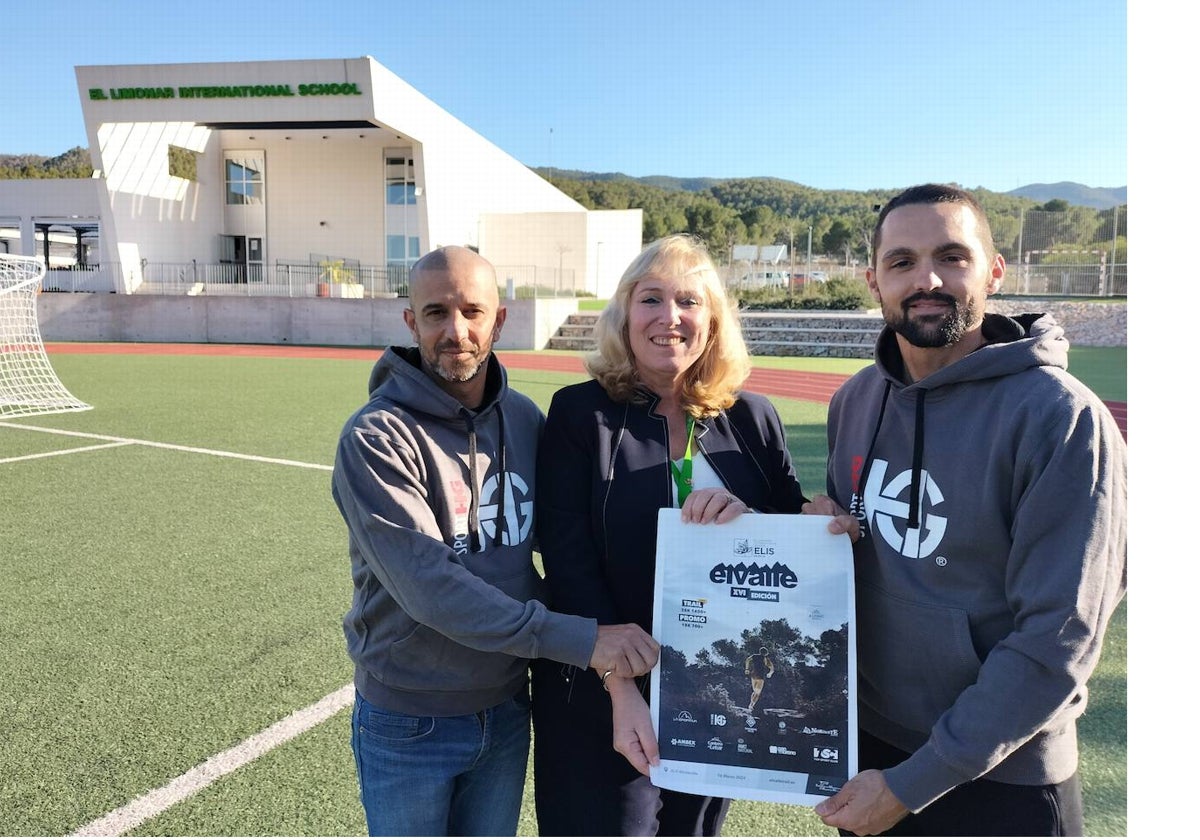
[932, 330]
[459, 371]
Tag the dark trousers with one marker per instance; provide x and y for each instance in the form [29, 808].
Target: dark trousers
[982, 807]
[585, 788]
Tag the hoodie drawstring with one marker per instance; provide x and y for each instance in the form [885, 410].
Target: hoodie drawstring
[502, 476]
[917, 486]
[501, 479]
[472, 472]
[858, 506]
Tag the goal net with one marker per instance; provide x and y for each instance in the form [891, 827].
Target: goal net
[28, 384]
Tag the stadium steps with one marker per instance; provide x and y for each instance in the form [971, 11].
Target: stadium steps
[845, 335]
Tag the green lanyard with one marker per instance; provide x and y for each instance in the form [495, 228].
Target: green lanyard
[683, 475]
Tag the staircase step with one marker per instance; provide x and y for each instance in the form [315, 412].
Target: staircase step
[844, 335]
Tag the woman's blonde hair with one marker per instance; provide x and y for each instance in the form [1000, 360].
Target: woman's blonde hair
[712, 383]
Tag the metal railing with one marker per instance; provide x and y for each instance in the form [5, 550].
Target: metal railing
[304, 279]
[284, 279]
[100, 277]
[329, 279]
[1070, 280]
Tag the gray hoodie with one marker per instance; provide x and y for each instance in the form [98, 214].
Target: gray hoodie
[445, 614]
[982, 598]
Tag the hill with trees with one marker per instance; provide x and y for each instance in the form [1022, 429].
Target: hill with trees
[74, 163]
[773, 211]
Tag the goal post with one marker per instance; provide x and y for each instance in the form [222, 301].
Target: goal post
[28, 384]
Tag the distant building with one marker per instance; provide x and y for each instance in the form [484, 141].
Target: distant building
[258, 172]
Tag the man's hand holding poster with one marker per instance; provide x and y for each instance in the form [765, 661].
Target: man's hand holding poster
[754, 696]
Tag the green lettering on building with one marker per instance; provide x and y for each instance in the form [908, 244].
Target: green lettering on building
[332, 89]
[227, 91]
[141, 93]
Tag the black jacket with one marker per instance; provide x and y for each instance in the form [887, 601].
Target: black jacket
[603, 475]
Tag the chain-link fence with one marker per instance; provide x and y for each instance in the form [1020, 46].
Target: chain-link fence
[1070, 252]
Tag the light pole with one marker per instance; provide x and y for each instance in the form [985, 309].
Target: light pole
[792, 252]
[562, 249]
[808, 262]
[599, 245]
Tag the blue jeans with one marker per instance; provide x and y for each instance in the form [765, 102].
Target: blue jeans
[441, 776]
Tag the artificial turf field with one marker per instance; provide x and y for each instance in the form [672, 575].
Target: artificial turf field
[174, 575]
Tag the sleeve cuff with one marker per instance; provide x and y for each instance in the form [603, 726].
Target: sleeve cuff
[568, 638]
[921, 779]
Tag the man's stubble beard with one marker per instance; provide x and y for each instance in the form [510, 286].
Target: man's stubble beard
[461, 372]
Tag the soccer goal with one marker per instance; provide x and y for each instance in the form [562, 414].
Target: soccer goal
[28, 384]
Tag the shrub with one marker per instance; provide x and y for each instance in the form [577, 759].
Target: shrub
[838, 294]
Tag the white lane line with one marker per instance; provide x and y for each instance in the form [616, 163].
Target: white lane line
[146, 807]
[177, 447]
[201, 776]
[63, 452]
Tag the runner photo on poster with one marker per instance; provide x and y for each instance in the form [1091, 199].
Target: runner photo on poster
[754, 696]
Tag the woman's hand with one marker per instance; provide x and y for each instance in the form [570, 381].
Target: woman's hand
[633, 734]
[842, 523]
[712, 505]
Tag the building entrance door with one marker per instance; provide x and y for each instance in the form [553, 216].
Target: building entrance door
[244, 256]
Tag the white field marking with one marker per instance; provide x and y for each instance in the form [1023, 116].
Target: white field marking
[64, 452]
[177, 447]
[146, 807]
[201, 776]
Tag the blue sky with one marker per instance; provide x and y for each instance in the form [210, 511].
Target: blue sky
[852, 94]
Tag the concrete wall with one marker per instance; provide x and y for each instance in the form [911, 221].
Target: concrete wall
[593, 248]
[304, 321]
[616, 238]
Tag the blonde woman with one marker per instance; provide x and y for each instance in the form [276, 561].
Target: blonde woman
[662, 423]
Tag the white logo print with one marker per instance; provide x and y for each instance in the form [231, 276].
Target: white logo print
[518, 515]
[884, 508]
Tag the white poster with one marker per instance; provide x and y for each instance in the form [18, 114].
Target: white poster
[755, 694]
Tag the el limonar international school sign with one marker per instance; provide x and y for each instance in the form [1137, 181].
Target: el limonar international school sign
[226, 91]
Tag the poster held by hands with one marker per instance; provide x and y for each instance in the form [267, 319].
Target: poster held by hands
[755, 694]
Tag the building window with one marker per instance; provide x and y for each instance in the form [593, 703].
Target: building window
[403, 250]
[243, 182]
[401, 193]
[399, 181]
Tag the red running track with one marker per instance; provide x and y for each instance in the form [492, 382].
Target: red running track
[793, 384]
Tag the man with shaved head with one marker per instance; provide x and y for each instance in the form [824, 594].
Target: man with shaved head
[434, 477]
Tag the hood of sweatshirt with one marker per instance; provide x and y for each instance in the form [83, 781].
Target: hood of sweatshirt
[1013, 344]
[398, 378]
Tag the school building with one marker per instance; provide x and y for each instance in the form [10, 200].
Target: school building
[295, 179]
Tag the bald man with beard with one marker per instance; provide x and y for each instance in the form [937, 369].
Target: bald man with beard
[434, 478]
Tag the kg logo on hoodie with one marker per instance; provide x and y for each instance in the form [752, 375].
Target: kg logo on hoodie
[518, 509]
[887, 513]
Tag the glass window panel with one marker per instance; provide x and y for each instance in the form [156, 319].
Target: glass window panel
[399, 192]
[243, 181]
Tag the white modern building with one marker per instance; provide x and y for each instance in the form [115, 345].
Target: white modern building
[275, 178]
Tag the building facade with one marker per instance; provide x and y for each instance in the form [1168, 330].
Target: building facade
[283, 177]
